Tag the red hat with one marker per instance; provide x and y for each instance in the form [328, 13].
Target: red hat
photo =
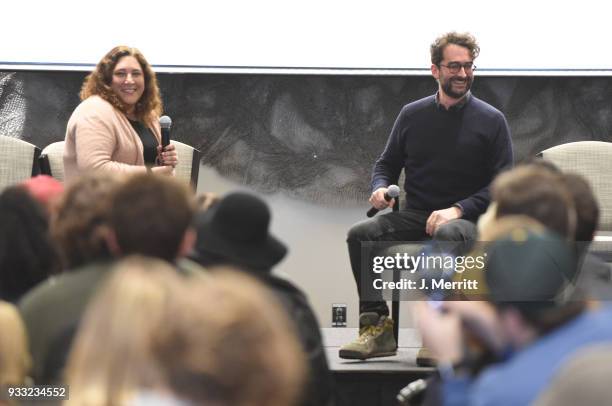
[44, 188]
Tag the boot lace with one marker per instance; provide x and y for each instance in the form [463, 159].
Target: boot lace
[368, 332]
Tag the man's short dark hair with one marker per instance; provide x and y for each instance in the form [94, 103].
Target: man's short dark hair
[465, 40]
[150, 215]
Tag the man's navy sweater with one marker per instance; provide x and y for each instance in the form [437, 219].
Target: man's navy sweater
[450, 156]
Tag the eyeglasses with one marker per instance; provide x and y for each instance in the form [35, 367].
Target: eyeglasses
[455, 67]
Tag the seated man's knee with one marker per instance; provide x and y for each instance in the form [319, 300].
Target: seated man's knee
[362, 231]
[455, 230]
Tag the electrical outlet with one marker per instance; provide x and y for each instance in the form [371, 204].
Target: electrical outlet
[338, 315]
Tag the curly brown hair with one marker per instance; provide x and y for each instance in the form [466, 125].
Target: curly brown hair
[99, 81]
[464, 39]
[78, 225]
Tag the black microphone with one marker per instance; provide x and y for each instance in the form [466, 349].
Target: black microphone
[165, 123]
[392, 192]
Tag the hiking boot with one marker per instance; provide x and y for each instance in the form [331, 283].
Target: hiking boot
[425, 358]
[375, 339]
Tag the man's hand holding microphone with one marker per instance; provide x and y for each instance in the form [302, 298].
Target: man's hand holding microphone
[382, 198]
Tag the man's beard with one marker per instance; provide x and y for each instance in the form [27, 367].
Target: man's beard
[447, 87]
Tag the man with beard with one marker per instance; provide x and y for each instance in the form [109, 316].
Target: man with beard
[451, 145]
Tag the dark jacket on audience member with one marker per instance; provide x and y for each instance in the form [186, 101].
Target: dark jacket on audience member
[235, 232]
[53, 310]
[319, 388]
[54, 307]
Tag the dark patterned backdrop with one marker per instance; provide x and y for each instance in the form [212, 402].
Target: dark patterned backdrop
[314, 138]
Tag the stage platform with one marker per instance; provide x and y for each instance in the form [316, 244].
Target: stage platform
[375, 381]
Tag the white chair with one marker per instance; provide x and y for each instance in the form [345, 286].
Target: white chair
[18, 161]
[593, 160]
[188, 168]
[52, 160]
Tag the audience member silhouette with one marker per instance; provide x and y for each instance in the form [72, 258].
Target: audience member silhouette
[183, 349]
[27, 254]
[235, 231]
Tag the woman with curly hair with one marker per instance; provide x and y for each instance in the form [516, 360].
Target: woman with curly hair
[116, 126]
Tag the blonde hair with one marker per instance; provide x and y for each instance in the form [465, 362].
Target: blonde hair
[15, 360]
[125, 314]
[237, 349]
[211, 340]
[502, 226]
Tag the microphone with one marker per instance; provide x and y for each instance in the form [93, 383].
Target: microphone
[392, 192]
[165, 123]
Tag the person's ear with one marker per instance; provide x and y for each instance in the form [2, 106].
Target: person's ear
[189, 239]
[435, 71]
[111, 241]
